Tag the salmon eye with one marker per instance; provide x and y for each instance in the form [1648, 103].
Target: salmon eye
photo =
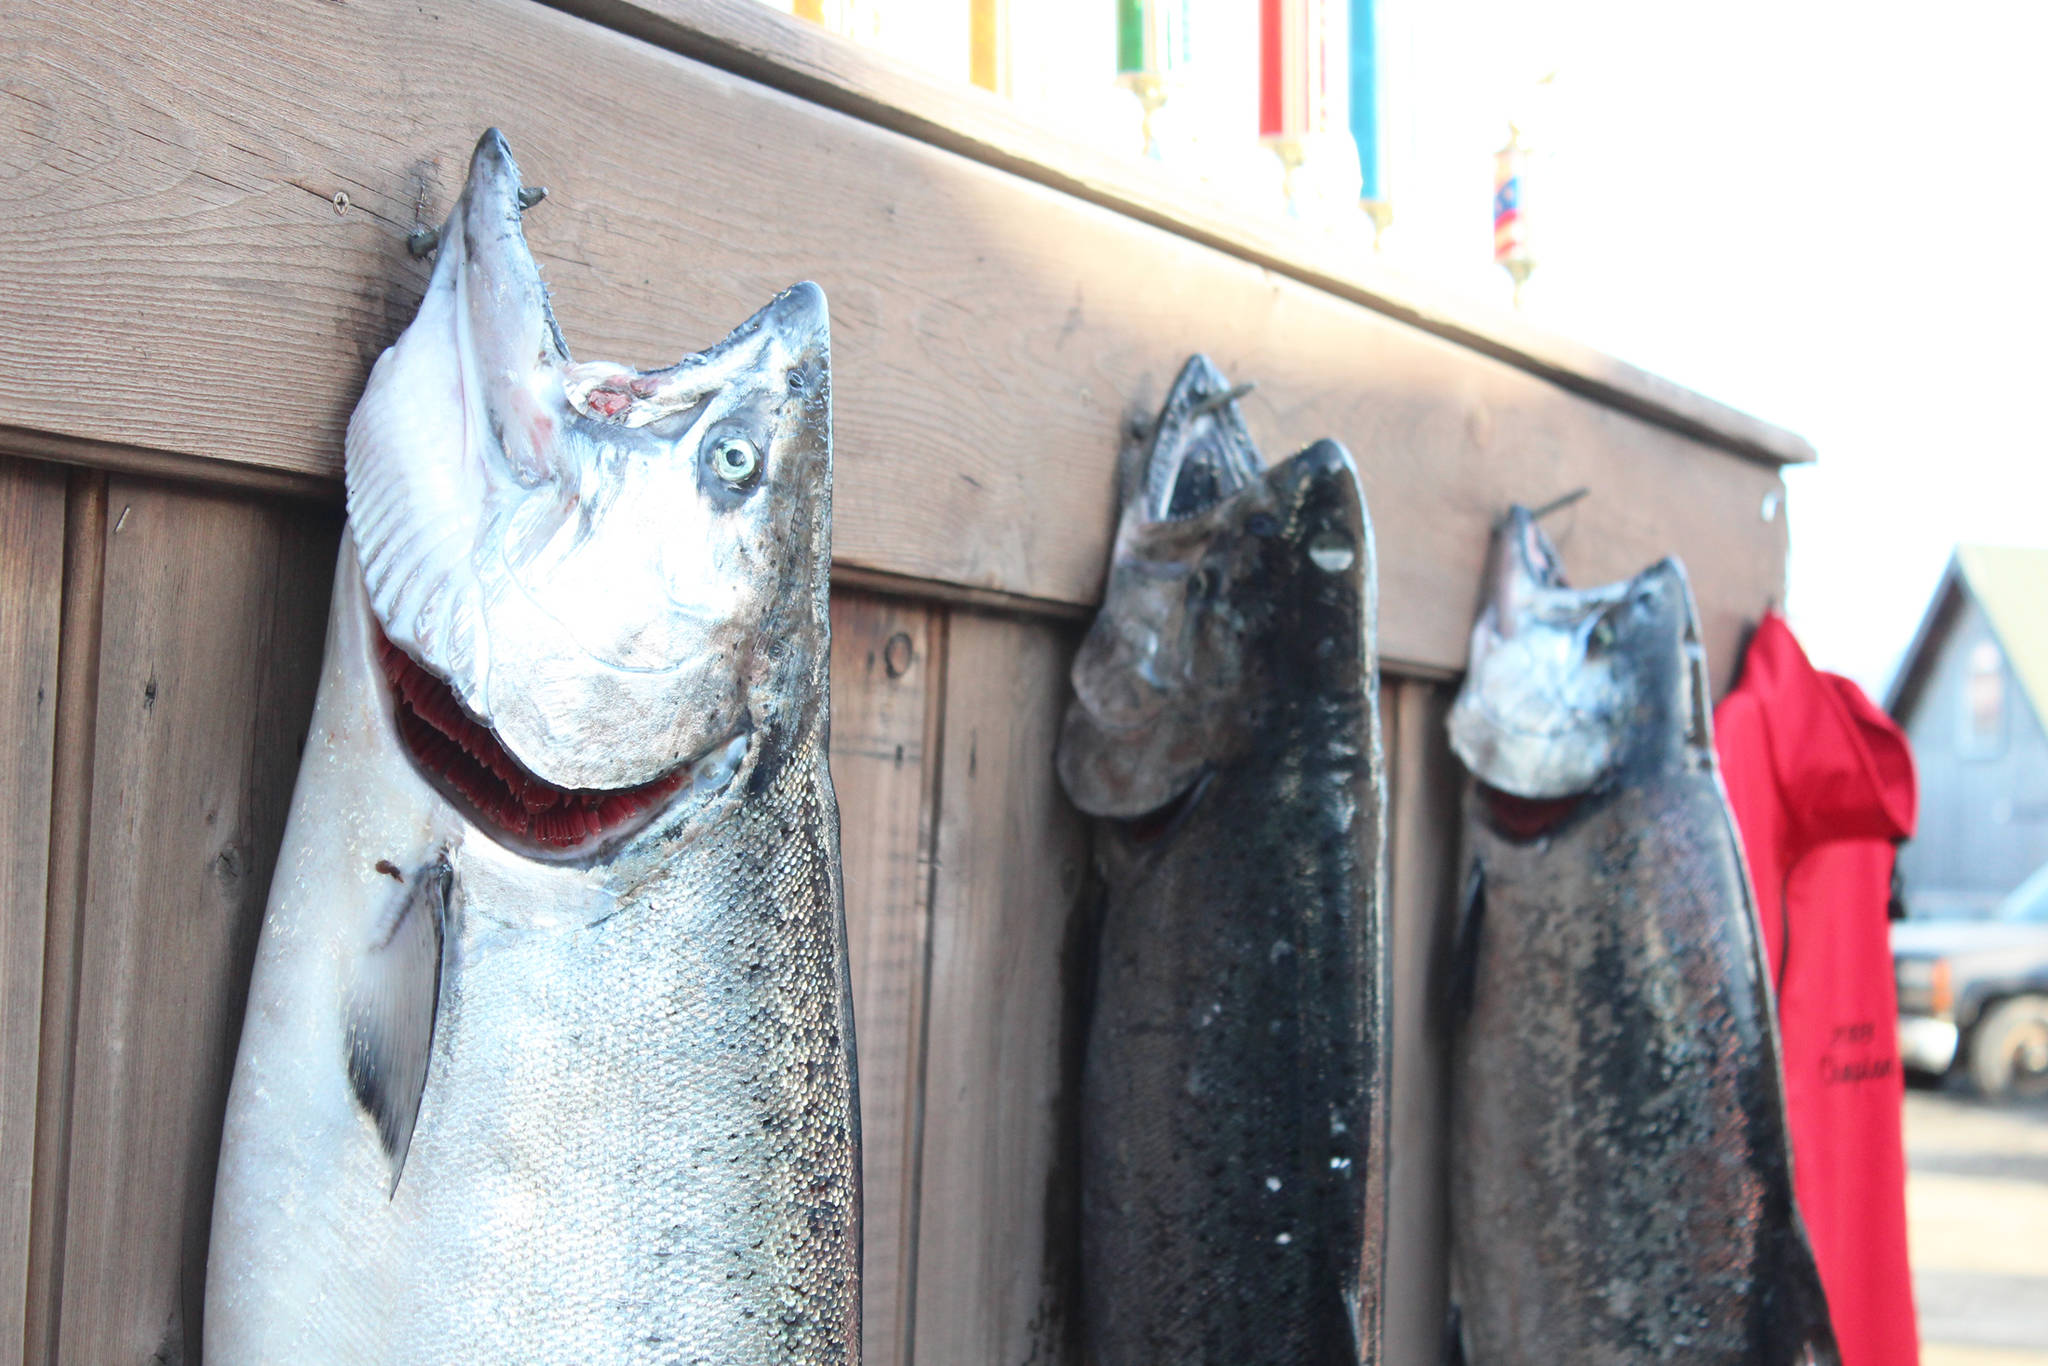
[1602, 638]
[735, 460]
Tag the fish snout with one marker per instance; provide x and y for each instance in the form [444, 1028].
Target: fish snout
[800, 316]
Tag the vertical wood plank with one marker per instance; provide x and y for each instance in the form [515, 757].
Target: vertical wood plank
[998, 1197]
[32, 501]
[214, 614]
[78, 656]
[886, 663]
[1423, 850]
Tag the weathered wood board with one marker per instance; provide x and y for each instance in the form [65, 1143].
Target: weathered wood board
[990, 333]
[1422, 851]
[214, 611]
[999, 1195]
[31, 600]
[805, 60]
[70, 824]
[888, 664]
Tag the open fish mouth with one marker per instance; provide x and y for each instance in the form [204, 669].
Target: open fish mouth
[586, 554]
[1525, 819]
[468, 764]
[1200, 452]
[1539, 715]
[1137, 736]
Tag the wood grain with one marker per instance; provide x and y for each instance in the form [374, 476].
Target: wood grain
[745, 37]
[999, 1197]
[214, 613]
[887, 667]
[78, 672]
[1423, 853]
[177, 162]
[31, 603]
[121, 458]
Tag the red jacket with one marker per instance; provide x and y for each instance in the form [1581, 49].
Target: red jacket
[1822, 786]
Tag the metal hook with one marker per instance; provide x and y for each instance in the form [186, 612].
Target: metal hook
[1215, 401]
[1558, 504]
[530, 195]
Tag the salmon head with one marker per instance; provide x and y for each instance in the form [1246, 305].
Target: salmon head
[592, 580]
[1223, 572]
[1568, 689]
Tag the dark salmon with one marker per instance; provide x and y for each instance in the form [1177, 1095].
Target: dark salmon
[1225, 733]
[1621, 1172]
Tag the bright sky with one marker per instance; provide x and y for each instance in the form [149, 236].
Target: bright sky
[1832, 215]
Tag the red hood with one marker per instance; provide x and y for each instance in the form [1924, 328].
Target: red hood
[1842, 766]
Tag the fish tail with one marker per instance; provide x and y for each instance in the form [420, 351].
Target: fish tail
[1812, 1328]
[1454, 1336]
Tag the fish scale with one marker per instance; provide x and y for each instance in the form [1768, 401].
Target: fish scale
[1609, 1110]
[1225, 734]
[1620, 1168]
[548, 1055]
[544, 1110]
[1226, 1134]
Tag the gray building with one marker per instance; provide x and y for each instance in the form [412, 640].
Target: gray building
[1972, 695]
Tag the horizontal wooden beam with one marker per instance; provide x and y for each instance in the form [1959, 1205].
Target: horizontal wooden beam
[202, 243]
[176, 466]
[747, 38]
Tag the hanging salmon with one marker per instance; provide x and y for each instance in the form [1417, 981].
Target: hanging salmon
[1621, 1184]
[549, 1054]
[1225, 732]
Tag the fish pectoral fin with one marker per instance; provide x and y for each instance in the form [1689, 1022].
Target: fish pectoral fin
[1462, 977]
[390, 1008]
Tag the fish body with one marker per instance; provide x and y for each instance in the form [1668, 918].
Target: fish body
[548, 1054]
[1621, 1185]
[1225, 735]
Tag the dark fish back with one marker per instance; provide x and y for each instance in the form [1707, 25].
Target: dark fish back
[1621, 1176]
[1622, 1187]
[1233, 1093]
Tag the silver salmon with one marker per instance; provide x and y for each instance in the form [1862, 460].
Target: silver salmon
[549, 1053]
[1224, 730]
[1621, 1177]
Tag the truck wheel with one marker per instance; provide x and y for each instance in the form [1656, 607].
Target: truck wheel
[2009, 1049]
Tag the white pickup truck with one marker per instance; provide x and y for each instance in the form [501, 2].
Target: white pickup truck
[1973, 994]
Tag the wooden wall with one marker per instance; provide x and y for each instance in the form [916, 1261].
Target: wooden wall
[190, 317]
[172, 636]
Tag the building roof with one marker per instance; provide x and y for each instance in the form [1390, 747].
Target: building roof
[2010, 585]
